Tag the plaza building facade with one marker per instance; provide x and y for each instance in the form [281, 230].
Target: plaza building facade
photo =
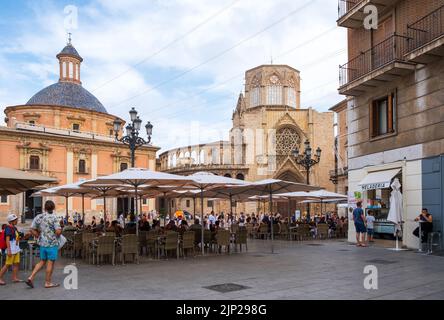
[394, 83]
[268, 126]
[64, 132]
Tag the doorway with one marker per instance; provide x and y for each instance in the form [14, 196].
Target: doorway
[33, 205]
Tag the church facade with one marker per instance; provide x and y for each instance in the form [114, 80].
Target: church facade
[268, 125]
[63, 131]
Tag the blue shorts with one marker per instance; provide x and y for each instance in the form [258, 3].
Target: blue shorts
[49, 253]
[360, 228]
[370, 232]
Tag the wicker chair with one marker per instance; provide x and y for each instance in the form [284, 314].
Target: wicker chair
[171, 244]
[263, 232]
[209, 239]
[129, 245]
[250, 229]
[223, 240]
[302, 232]
[187, 243]
[105, 246]
[143, 241]
[322, 231]
[241, 238]
[276, 230]
[151, 243]
[285, 231]
[87, 238]
[69, 246]
[77, 244]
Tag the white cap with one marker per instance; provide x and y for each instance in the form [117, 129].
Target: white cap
[12, 217]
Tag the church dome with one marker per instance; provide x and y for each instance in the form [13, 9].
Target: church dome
[67, 94]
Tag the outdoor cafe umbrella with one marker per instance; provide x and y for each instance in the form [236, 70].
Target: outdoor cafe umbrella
[321, 196]
[136, 178]
[396, 210]
[205, 181]
[271, 187]
[14, 181]
[70, 190]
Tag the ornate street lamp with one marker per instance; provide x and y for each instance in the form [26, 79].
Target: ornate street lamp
[307, 161]
[132, 138]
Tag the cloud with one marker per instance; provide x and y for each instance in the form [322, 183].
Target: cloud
[123, 41]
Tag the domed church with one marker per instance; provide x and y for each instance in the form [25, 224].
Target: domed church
[65, 132]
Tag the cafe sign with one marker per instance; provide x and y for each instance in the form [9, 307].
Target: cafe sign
[373, 186]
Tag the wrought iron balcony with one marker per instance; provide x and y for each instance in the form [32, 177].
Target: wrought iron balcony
[426, 37]
[351, 12]
[376, 66]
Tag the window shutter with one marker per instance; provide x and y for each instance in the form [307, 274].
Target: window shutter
[390, 114]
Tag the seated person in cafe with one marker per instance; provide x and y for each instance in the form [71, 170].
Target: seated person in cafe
[80, 225]
[144, 224]
[171, 226]
[115, 227]
[69, 227]
[183, 227]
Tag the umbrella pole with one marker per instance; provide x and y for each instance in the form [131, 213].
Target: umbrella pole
[271, 216]
[194, 207]
[137, 212]
[104, 211]
[83, 208]
[231, 205]
[202, 222]
[66, 207]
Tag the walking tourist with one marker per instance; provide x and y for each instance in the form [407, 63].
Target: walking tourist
[359, 219]
[12, 239]
[47, 229]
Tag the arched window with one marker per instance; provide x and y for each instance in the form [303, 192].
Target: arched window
[255, 97]
[274, 95]
[77, 72]
[227, 175]
[202, 157]
[194, 157]
[82, 166]
[240, 176]
[64, 69]
[291, 97]
[287, 140]
[123, 166]
[71, 70]
[169, 162]
[34, 162]
[187, 154]
[174, 161]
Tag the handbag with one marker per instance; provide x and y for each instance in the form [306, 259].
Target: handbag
[62, 241]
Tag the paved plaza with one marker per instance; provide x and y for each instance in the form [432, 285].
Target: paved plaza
[330, 269]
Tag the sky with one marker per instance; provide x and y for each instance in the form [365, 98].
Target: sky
[180, 63]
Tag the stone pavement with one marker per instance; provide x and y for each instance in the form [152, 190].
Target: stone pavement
[331, 269]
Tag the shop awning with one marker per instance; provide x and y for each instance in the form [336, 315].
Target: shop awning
[378, 180]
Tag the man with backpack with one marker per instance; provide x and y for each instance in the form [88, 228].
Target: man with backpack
[12, 247]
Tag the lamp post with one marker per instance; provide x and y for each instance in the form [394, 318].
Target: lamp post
[132, 138]
[306, 160]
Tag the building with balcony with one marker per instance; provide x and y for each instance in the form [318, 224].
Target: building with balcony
[394, 84]
[65, 132]
[268, 125]
[339, 175]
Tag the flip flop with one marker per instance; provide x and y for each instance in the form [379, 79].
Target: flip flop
[52, 285]
[29, 283]
[2, 283]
